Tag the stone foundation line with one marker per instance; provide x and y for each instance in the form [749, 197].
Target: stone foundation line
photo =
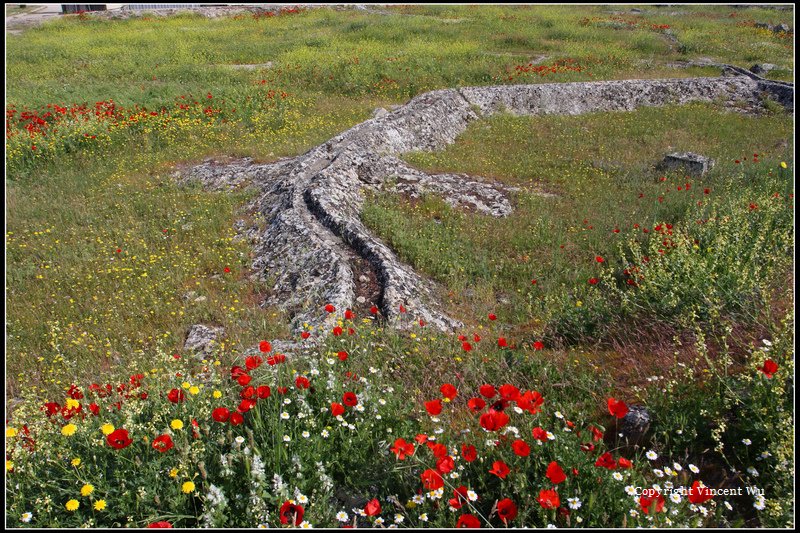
[312, 203]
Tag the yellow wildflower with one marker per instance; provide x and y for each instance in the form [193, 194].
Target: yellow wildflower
[173, 472]
[87, 489]
[176, 424]
[187, 487]
[69, 430]
[217, 394]
[72, 505]
[783, 164]
[9, 465]
[11, 432]
[72, 404]
[194, 389]
[107, 429]
[76, 461]
[186, 384]
[99, 505]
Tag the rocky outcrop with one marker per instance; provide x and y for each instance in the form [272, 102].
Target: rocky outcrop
[314, 239]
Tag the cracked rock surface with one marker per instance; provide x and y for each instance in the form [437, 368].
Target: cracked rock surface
[315, 249]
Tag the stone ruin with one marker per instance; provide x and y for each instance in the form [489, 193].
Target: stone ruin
[315, 249]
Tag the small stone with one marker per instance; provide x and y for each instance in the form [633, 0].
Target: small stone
[762, 68]
[361, 300]
[782, 28]
[635, 423]
[692, 163]
[363, 279]
[200, 299]
[379, 112]
[202, 338]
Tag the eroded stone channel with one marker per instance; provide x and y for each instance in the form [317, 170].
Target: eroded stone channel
[316, 250]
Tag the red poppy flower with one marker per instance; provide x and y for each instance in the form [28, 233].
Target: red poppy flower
[302, 382]
[246, 405]
[373, 508]
[500, 469]
[509, 392]
[305, 335]
[521, 448]
[617, 408]
[445, 464]
[468, 452]
[342, 356]
[157, 525]
[438, 449]
[330, 308]
[466, 346]
[350, 399]
[337, 409]
[769, 368]
[459, 497]
[502, 342]
[432, 480]
[264, 346]
[243, 379]
[476, 404]
[402, 449]
[337, 331]
[624, 463]
[421, 439]
[236, 418]
[402, 309]
[538, 345]
[468, 521]
[263, 392]
[373, 310]
[549, 499]
[291, 513]
[539, 434]
[119, 439]
[448, 391]
[221, 414]
[276, 359]
[248, 392]
[698, 494]
[593, 281]
[606, 461]
[476, 337]
[531, 401]
[163, 443]
[652, 501]
[253, 362]
[506, 510]
[599, 259]
[227, 270]
[176, 396]
[555, 474]
[434, 407]
[487, 390]
[493, 420]
[349, 315]
[597, 435]
[492, 316]
[94, 408]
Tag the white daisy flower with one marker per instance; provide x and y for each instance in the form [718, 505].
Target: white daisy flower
[419, 499]
[302, 498]
[381, 401]
[287, 401]
[285, 415]
[472, 495]
[694, 469]
[574, 503]
[675, 497]
[306, 434]
[651, 455]
[728, 505]
[630, 490]
[325, 434]
[550, 436]
[658, 473]
[752, 471]
[341, 516]
[239, 440]
[747, 442]
[26, 517]
[633, 512]
[379, 521]
[760, 503]
[287, 438]
[305, 525]
[617, 476]
[423, 517]
[677, 466]
[398, 518]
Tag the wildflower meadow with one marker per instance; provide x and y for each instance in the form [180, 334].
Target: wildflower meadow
[627, 351]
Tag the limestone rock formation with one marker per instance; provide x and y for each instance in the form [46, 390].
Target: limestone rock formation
[316, 250]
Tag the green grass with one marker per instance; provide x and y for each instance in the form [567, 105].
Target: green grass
[598, 166]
